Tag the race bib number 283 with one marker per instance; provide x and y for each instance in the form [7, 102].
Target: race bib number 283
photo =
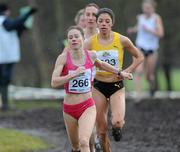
[110, 56]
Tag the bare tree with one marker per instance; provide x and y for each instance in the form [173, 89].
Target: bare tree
[40, 57]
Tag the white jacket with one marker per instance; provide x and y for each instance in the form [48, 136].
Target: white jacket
[9, 44]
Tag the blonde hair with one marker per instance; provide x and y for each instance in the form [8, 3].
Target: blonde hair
[78, 15]
[91, 5]
[152, 2]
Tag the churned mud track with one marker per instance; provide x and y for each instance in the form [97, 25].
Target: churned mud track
[151, 126]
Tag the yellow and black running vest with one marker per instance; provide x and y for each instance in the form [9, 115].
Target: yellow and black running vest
[111, 53]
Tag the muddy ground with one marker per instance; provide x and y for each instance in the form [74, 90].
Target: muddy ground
[151, 126]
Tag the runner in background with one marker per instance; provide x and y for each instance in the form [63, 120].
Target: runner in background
[149, 30]
[90, 12]
[79, 19]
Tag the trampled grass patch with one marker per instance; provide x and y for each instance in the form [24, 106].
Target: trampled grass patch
[15, 141]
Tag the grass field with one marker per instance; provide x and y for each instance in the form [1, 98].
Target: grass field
[16, 141]
[175, 82]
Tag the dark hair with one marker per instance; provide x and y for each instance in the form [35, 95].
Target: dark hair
[77, 28]
[3, 7]
[91, 5]
[108, 11]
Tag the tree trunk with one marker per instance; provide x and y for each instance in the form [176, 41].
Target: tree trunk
[59, 15]
[40, 58]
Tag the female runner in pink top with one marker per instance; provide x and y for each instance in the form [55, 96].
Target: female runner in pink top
[73, 69]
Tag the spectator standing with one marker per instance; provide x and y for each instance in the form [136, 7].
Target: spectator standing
[10, 31]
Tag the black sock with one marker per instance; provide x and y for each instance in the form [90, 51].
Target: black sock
[4, 95]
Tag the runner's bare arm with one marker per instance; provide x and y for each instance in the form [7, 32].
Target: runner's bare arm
[57, 80]
[159, 31]
[102, 65]
[134, 51]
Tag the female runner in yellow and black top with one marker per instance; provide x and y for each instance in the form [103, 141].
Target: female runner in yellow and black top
[108, 88]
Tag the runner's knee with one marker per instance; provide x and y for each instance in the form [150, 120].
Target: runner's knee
[118, 122]
[83, 142]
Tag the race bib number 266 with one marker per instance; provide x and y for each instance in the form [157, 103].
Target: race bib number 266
[81, 83]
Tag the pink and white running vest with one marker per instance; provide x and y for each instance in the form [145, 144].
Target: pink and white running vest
[81, 83]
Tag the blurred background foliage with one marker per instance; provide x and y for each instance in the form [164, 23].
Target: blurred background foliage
[41, 45]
